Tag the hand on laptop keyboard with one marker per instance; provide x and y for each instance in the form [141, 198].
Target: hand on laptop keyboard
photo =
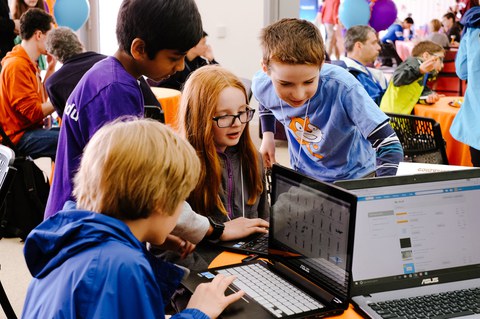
[243, 227]
[210, 297]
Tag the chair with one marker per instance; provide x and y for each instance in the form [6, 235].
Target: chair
[7, 173]
[447, 82]
[154, 112]
[388, 54]
[247, 83]
[421, 138]
[280, 133]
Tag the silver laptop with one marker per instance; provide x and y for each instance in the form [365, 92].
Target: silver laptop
[307, 273]
[417, 245]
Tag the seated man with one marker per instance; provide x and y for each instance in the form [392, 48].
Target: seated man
[394, 33]
[91, 262]
[452, 28]
[23, 101]
[362, 47]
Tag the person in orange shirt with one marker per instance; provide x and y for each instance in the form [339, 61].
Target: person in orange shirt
[333, 39]
[23, 101]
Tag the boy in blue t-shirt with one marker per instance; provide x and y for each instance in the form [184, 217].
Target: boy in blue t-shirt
[335, 130]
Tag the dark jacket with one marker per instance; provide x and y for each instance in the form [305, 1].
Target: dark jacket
[177, 80]
[7, 27]
[408, 72]
[455, 31]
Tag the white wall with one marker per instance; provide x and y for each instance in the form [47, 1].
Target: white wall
[423, 11]
[241, 23]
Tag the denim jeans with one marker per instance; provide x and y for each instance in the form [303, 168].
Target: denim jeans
[39, 143]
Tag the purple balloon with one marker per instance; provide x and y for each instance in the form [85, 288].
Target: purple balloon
[384, 13]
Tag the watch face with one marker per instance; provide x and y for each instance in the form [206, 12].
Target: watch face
[220, 226]
[217, 229]
[215, 224]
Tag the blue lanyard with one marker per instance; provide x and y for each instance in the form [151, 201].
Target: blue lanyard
[425, 79]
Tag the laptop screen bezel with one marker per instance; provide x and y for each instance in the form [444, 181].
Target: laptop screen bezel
[329, 190]
[436, 276]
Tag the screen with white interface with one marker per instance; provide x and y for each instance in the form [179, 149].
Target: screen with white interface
[406, 231]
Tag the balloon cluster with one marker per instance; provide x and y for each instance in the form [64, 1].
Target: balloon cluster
[379, 14]
[69, 13]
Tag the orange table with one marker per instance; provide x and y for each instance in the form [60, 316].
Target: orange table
[457, 152]
[228, 258]
[170, 101]
[404, 48]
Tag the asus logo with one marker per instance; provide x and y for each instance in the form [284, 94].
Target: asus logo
[306, 269]
[428, 281]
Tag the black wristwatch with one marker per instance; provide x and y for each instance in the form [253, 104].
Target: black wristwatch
[217, 229]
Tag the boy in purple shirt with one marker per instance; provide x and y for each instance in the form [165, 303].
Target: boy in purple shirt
[110, 89]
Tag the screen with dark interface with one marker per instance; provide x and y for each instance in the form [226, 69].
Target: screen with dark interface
[309, 229]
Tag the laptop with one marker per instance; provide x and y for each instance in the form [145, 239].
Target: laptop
[417, 244]
[256, 244]
[309, 253]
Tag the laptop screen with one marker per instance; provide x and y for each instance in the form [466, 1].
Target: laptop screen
[309, 229]
[416, 230]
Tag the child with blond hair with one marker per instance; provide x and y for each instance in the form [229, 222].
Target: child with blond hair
[90, 262]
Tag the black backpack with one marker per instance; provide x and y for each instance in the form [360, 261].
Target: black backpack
[25, 202]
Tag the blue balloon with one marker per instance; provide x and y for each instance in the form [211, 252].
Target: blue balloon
[354, 12]
[71, 13]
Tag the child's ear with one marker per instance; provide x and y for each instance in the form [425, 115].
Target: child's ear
[137, 49]
[264, 67]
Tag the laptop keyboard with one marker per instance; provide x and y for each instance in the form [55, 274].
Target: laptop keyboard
[271, 291]
[438, 306]
[259, 244]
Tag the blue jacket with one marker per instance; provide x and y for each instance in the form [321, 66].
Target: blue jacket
[467, 67]
[394, 33]
[89, 265]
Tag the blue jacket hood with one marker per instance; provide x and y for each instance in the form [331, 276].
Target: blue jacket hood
[471, 19]
[68, 233]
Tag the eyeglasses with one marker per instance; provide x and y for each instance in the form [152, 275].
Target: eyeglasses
[438, 56]
[228, 120]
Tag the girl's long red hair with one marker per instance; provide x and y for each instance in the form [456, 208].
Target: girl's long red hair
[197, 108]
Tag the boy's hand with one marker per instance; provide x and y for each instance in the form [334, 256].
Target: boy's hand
[267, 149]
[208, 54]
[433, 98]
[52, 62]
[175, 243]
[16, 30]
[242, 227]
[210, 297]
[429, 64]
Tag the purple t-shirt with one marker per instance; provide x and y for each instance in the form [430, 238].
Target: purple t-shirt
[105, 93]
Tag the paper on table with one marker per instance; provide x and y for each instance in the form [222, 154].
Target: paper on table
[408, 168]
